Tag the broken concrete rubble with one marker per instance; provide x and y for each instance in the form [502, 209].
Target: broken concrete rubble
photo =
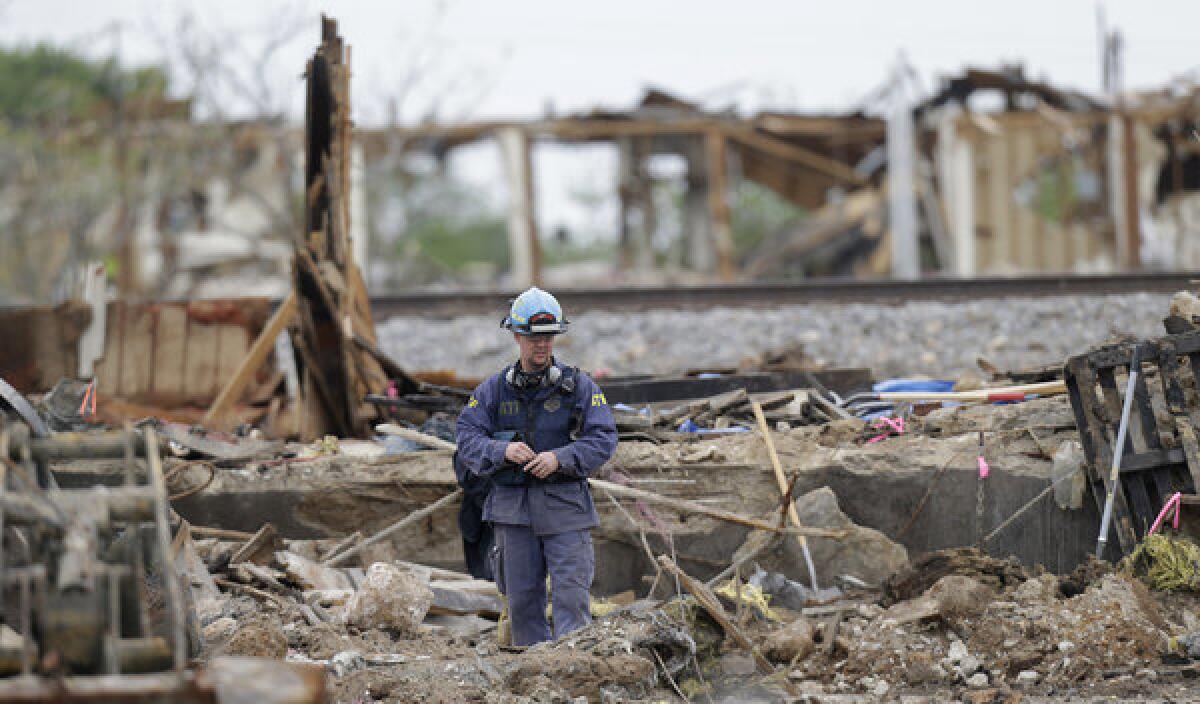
[860, 650]
[864, 553]
[391, 599]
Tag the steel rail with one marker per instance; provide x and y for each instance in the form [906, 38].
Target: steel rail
[445, 303]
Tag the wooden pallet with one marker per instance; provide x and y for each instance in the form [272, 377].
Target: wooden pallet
[1160, 457]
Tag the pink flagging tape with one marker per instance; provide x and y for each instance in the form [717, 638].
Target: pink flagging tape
[1176, 502]
[886, 425]
[983, 467]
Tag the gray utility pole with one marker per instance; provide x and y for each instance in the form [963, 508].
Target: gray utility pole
[902, 196]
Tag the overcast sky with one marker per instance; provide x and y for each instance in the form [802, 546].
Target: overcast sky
[514, 58]
[519, 58]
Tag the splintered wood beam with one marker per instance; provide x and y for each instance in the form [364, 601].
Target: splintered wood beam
[262, 541]
[410, 519]
[790, 152]
[253, 361]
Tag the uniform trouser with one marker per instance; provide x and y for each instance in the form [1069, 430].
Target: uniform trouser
[525, 559]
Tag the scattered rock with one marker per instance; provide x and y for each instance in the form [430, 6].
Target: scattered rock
[346, 662]
[389, 598]
[953, 597]
[219, 629]
[793, 641]
[920, 668]
[978, 680]
[1027, 678]
[959, 596]
[986, 696]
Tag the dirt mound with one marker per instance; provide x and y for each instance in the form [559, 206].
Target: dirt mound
[581, 674]
[1028, 636]
[1084, 576]
[967, 562]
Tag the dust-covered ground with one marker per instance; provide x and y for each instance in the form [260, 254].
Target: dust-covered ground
[984, 632]
[926, 338]
[947, 625]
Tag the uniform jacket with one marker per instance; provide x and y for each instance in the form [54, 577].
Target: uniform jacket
[498, 414]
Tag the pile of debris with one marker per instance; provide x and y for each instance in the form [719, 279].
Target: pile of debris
[731, 412]
[986, 628]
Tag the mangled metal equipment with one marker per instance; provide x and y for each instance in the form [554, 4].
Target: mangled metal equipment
[75, 562]
[91, 608]
[1161, 454]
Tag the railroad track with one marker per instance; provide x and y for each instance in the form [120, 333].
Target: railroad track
[444, 303]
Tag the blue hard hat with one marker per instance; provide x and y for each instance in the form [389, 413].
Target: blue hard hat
[535, 312]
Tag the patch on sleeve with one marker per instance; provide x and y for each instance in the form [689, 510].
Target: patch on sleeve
[472, 403]
[599, 400]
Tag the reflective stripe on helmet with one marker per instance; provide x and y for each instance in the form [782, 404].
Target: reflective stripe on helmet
[535, 312]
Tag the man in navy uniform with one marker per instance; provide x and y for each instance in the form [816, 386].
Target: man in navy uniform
[538, 429]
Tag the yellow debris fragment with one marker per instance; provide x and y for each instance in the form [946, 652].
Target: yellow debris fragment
[1166, 563]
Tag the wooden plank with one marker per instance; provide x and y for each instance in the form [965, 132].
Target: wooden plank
[1164, 487]
[233, 342]
[1094, 436]
[1169, 371]
[137, 355]
[415, 436]
[200, 380]
[411, 518]
[1000, 204]
[1147, 424]
[107, 368]
[692, 507]
[780, 479]
[259, 548]
[253, 360]
[1112, 406]
[171, 350]
[791, 152]
[718, 203]
[1024, 167]
[1144, 510]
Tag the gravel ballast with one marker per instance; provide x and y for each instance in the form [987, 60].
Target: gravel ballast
[919, 338]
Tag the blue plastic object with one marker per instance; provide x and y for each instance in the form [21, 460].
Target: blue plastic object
[895, 385]
[688, 426]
